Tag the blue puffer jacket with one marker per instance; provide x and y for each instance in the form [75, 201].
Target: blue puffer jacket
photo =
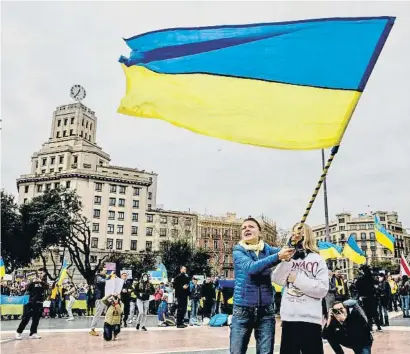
[253, 286]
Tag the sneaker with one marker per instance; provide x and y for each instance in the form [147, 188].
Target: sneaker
[129, 321]
[93, 333]
[70, 319]
[35, 336]
[143, 328]
[138, 327]
[18, 336]
[115, 338]
[181, 326]
[125, 324]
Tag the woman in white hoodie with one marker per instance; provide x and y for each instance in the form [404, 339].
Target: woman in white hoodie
[305, 281]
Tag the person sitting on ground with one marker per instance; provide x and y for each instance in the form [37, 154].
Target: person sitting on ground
[112, 322]
[347, 326]
[163, 313]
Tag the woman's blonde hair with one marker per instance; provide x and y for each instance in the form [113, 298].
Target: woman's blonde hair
[309, 240]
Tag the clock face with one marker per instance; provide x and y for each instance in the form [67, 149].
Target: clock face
[77, 93]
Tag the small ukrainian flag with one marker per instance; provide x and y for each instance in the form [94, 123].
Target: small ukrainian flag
[2, 268]
[329, 250]
[353, 252]
[382, 235]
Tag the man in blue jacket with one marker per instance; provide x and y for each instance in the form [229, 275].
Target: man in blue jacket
[253, 295]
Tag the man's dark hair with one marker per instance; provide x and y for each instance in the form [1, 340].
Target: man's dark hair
[337, 303]
[41, 270]
[249, 218]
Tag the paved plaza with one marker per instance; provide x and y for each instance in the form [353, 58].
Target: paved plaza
[72, 338]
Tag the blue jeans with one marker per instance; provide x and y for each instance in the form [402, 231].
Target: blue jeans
[244, 320]
[405, 303]
[194, 311]
[364, 350]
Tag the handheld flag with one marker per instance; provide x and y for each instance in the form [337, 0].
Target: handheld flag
[289, 85]
[2, 268]
[352, 251]
[329, 250]
[63, 273]
[404, 266]
[382, 235]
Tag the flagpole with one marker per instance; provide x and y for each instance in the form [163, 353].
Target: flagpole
[325, 200]
[333, 153]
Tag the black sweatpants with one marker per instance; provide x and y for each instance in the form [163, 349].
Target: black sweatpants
[181, 309]
[33, 311]
[126, 311]
[301, 338]
[370, 309]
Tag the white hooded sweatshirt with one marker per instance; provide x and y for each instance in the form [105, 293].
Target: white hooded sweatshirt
[302, 300]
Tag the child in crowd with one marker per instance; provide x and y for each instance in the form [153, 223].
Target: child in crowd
[112, 322]
[163, 311]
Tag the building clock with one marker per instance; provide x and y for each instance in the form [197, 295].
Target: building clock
[77, 93]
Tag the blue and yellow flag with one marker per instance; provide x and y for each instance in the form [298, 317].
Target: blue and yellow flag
[63, 273]
[2, 268]
[382, 235]
[329, 250]
[353, 252]
[289, 85]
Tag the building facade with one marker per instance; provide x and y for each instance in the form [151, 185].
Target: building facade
[362, 228]
[219, 234]
[119, 202]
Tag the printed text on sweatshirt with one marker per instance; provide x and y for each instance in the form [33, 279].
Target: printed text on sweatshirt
[302, 300]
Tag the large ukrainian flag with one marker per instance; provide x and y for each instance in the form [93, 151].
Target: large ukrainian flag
[289, 85]
[352, 251]
[329, 250]
[382, 235]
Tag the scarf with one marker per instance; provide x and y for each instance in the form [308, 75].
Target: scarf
[256, 248]
[341, 284]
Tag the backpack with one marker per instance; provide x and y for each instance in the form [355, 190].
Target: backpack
[170, 321]
[219, 320]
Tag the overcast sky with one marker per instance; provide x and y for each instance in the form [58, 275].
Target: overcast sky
[47, 47]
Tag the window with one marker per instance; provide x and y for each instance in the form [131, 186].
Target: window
[134, 230]
[48, 186]
[163, 232]
[82, 123]
[112, 201]
[81, 133]
[58, 135]
[382, 218]
[121, 202]
[96, 227]
[120, 229]
[25, 189]
[341, 220]
[174, 220]
[85, 135]
[110, 228]
[43, 171]
[123, 189]
[86, 124]
[98, 187]
[65, 121]
[75, 159]
[97, 199]
[373, 243]
[59, 123]
[56, 185]
[51, 170]
[149, 231]
[373, 253]
[61, 159]
[44, 162]
[136, 204]
[109, 243]
[150, 218]
[362, 227]
[113, 188]
[36, 163]
[25, 201]
[120, 215]
[149, 195]
[206, 244]
[67, 184]
[135, 191]
[342, 236]
[65, 133]
[134, 217]
[94, 242]
[372, 236]
[93, 259]
[148, 245]
[162, 245]
[91, 126]
[188, 222]
[353, 227]
[111, 215]
[363, 235]
[149, 207]
[133, 245]
[163, 220]
[174, 232]
[341, 228]
[215, 244]
[71, 132]
[96, 213]
[52, 160]
[118, 244]
[72, 120]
